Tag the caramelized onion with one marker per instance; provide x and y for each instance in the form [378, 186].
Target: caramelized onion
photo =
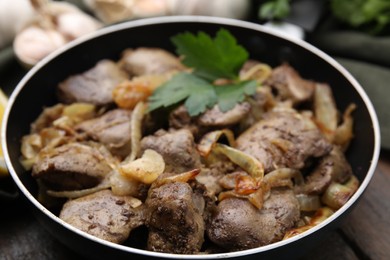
[245, 185]
[79, 112]
[145, 169]
[209, 140]
[136, 130]
[308, 202]
[74, 114]
[282, 177]
[256, 198]
[247, 162]
[320, 215]
[123, 186]
[325, 110]
[74, 194]
[31, 145]
[182, 177]
[259, 72]
[344, 133]
[337, 194]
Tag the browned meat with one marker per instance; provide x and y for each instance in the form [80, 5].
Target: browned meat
[238, 225]
[71, 166]
[111, 129]
[103, 215]
[333, 167]
[290, 85]
[93, 86]
[214, 117]
[283, 139]
[143, 61]
[210, 177]
[179, 119]
[210, 120]
[177, 147]
[174, 218]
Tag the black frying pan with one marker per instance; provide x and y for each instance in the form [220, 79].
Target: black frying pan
[37, 90]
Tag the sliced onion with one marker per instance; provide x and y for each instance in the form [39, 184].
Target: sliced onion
[209, 140]
[282, 144]
[246, 185]
[74, 194]
[308, 202]
[46, 118]
[31, 145]
[282, 177]
[74, 114]
[247, 162]
[145, 169]
[325, 110]
[137, 117]
[123, 186]
[228, 181]
[53, 137]
[28, 163]
[320, 215]
[344, 133]
[230, 194]
[337, 194]
[259, 72]
[182, 177]
[79, 112]
[256, 198]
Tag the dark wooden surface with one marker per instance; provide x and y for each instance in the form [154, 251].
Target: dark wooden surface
[364, 234]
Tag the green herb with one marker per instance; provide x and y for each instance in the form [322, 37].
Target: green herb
[198, 93]
[211, 59]
[371, 15]
[274, 9]
[230, 95]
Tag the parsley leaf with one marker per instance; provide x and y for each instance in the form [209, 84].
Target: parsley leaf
[211, 59]
[275, 9]
[197, 93]
[230, 95]
[369, 15]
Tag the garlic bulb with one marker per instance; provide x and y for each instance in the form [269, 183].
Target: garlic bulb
[222, 8]
[55, 24]
[34, 43]
[111, 11]
[14, 15]
[75, 24]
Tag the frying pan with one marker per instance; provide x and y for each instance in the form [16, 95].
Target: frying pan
[37, 90]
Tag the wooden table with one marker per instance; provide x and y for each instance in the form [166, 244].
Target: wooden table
[365, 233]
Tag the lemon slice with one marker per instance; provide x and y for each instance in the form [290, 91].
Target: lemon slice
[3, 103]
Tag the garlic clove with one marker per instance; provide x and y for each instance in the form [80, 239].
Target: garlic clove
[222, 8]
[55, 24]
[150, 8]
[111, 11]
[75, 24]
[34, 43]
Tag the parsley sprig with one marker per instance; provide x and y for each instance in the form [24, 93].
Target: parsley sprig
[210, 59]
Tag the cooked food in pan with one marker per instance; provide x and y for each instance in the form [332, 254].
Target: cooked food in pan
[205, 151]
